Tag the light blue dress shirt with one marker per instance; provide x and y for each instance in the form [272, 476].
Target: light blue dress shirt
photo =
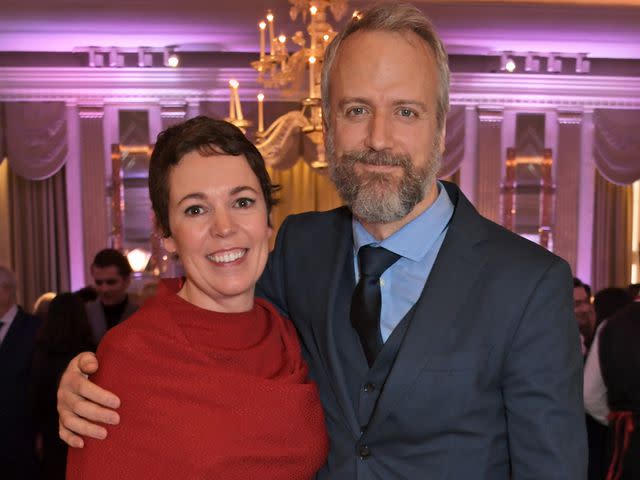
[418, 244]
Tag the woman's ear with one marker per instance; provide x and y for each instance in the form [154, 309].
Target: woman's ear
[169, 244]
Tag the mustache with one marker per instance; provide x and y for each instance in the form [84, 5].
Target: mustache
[378, 159]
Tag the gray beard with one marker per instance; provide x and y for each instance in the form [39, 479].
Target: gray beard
[375, 197]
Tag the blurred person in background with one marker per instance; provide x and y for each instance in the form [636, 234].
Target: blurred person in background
[620, 364]
[64, 333]
[112, 276]
[41, 305]
[18, 331]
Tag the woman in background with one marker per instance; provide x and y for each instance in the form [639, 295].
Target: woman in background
[64, 333]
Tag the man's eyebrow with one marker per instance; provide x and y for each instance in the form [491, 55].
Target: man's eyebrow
[396, 103]
[421, 105]
[348, 100]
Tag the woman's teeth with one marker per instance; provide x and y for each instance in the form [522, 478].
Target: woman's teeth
[227, 256]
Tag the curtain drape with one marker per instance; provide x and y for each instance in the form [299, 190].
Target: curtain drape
[616, 145]
[303, 190]
[454, 142]
[3, 132]
[39, 235]
[611, 255]
[36, 135]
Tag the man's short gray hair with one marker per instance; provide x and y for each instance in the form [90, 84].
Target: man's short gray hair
[391, 17]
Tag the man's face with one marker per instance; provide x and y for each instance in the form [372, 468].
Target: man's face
[110, 285]
[383, 143]
[584, 312]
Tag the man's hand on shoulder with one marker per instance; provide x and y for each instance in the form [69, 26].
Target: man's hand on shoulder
[82, 404]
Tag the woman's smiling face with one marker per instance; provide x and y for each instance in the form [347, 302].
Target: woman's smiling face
[219, 228]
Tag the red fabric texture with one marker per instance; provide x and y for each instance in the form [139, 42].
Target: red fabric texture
[622, 425]
[205, 395]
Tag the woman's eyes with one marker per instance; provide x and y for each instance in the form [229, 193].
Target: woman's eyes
[197, 210]
[194, 210]
[244, 202]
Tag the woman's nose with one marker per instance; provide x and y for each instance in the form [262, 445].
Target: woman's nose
[223, 223]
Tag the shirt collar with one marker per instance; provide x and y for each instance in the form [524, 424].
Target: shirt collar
[414, 239]
[7, 320]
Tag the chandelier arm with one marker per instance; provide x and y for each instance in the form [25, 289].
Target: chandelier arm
[281, 143]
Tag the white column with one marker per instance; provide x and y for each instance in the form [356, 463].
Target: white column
[586, 196]
[73, 178]
[469, 166]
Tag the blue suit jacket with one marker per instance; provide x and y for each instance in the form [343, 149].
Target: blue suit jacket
[488, 378]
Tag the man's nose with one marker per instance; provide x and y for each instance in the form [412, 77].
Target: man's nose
[379, 135]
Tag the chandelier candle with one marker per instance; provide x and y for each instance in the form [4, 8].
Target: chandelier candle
[262, 25]
[272, 49]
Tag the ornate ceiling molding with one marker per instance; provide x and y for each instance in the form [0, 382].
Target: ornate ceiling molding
[164, 85]
[545, 91]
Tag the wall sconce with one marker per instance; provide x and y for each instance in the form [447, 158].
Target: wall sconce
[531, 64]
[169, 58]
[507, 63]
[554, 64]
[138, 259]
[145, 59]
[96, 59]
[116, 59]
[553, 61]
[582, 64]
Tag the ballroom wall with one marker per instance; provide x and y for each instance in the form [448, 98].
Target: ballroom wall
[579, 110]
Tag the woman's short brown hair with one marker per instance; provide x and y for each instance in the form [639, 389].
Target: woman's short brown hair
[209, 137]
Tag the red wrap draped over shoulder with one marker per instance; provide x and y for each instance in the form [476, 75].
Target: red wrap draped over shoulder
[205, 395]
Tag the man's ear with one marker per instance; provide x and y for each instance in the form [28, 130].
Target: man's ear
[442, 139]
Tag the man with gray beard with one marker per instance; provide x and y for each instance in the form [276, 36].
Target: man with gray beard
[443, 346]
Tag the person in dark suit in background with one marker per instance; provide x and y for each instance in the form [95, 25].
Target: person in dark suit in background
[18, 331]
[444, 346]
[620, 362]
[111, 275]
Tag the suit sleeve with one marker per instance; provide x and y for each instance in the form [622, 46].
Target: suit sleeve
[271, 285]
[542, 385]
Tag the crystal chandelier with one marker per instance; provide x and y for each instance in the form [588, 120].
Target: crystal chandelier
[280, 69]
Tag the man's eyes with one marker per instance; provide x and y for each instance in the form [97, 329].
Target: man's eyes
[355, 111]
[407, 112]
[404, 112]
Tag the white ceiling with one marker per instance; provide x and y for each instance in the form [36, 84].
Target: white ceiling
[599, 28]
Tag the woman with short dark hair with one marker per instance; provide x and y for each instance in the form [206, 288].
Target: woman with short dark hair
[212, 380]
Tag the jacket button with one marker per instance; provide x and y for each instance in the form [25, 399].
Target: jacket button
[364, 451]
[369, 387]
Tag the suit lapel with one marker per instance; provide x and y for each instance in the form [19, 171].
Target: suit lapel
[339, 245]
[457, 267]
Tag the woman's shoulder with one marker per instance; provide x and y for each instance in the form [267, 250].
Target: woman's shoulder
[150, 320]
[286, 326]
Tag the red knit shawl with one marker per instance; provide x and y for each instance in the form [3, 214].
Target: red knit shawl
[205, 395]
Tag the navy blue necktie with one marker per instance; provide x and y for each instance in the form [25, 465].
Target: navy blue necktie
[366, 300]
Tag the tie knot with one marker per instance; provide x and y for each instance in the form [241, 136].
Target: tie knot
[374, 261]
